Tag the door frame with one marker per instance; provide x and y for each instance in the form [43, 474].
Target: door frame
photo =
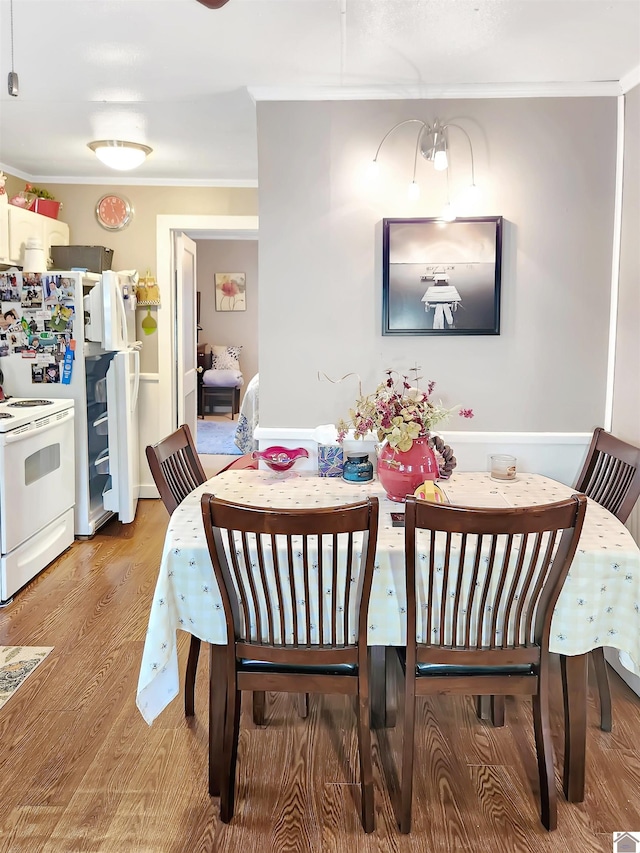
[198, 228]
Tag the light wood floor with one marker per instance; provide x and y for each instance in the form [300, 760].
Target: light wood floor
[81, 771]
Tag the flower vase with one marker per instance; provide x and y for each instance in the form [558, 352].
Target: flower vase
[402, 471]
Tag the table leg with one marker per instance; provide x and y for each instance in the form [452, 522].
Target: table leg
[383, 686]
[574, 689]
[217, 709]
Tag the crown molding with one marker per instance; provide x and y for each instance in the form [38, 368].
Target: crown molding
[121, 180]
[603, 88]
[630, 81]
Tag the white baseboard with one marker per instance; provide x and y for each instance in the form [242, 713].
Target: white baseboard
[148, 492]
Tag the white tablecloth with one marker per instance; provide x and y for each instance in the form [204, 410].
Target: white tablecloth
[599, 604]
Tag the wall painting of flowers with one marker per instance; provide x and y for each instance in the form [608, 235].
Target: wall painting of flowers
[231, 291]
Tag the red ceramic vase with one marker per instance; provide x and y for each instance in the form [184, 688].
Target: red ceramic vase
[402, 471]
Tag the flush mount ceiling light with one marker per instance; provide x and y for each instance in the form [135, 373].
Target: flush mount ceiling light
[433, 144]
[119, 155]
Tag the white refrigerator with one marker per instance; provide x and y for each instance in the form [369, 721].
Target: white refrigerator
[99, 345]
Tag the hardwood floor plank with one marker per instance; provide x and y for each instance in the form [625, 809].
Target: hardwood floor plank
[81, 772]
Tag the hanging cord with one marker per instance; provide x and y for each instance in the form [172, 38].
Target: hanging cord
[12, 82]
[343, 40]
[11, 13]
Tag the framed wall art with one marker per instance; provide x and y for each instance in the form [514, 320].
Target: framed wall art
[441, 278]
[231, 290]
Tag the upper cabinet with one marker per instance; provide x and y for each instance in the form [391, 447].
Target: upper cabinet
[18, 225]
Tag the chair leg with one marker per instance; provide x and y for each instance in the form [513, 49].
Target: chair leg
[366, 768]
[229, 755]
[482, 707]
[406, 782]
[259, 701]
[190, 677]
[544, 752]
[491, 707]
[217, 708]
[497, 711]
[602, 679]
[302, 700]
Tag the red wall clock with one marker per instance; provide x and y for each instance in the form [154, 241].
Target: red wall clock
[114, 212]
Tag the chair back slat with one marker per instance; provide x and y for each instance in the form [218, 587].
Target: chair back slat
[487, 576]
[175, 467]
[307, 592]
[473, 586]
[513, 595]
[499, 607]
[611, 474]
[290, 572]
[293, 592]
[334, 591]
[243, 595]
[348, 585]
[265, 588]
[320, 591]
[254, 628]
[276, 570]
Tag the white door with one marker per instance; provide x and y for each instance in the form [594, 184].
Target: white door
[185, 343]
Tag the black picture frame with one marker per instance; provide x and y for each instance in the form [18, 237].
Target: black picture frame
[441, 278]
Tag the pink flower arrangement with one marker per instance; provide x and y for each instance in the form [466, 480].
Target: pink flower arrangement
[398, 411]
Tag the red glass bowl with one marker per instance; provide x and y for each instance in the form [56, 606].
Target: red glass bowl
[280, 458]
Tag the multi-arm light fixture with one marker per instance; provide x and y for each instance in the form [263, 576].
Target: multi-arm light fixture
[433, 144]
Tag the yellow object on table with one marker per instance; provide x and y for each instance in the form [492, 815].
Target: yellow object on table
[429, 491]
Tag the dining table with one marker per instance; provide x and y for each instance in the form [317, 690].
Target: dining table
[599, 604]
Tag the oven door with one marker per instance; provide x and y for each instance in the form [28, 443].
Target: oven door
[37, 483]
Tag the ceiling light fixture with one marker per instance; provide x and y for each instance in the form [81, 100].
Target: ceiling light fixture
[119, 155]
[433, 144]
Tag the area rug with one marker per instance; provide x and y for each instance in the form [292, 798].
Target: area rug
[16, 665]
[216, 437]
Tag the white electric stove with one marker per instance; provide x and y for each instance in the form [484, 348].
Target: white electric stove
[37, 487]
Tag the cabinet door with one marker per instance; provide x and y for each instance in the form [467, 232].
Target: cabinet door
[55, 234]
[4, 232]
[22, 225]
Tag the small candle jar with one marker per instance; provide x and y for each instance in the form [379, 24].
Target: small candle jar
[503, 467]
[358, 468]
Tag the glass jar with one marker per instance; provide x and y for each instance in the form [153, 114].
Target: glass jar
[358, 468]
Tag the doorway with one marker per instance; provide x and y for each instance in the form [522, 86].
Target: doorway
[160, 391]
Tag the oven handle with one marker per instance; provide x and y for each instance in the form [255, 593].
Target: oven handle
[13, 437]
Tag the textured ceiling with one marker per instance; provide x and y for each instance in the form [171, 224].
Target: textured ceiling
[175, 75]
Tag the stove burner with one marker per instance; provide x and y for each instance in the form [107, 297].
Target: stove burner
[6, 415]
[27, 404]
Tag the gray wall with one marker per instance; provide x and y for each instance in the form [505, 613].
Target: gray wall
[626, 400]
[546, 165]
[229, 328]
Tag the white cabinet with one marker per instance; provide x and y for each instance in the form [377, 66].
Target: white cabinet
[56, 233]
[18, 225]
[4, 230]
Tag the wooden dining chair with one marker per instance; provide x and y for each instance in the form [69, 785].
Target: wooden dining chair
[611, 477]
[295, 586]
[177, 471]
[479, 609]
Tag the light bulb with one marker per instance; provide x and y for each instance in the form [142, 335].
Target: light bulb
[440, 162]
[373, 170]
[470, 195]
[414, 190]
[448, 213]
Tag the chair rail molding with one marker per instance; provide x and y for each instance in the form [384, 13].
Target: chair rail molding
[559, 455]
